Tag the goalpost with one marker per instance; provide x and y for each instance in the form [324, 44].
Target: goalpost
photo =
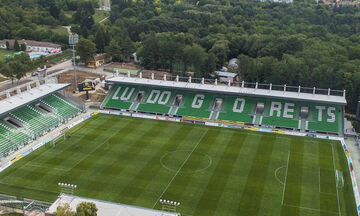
[339, 179]
[60, 138]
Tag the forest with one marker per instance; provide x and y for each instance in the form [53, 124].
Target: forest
[303, 43]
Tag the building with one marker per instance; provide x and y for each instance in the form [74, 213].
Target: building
[32, 46]
[105, 208]
[104, 5]
[97, 61]
[226, 76]
[278, 1]
[233, 64]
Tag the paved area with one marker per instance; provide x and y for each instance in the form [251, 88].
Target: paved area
[355, 157]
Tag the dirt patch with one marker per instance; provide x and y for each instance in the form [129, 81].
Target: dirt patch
[123, 65]
[94, 96]
[68, 77]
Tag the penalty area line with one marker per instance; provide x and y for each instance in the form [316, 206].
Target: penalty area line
[284, 188]
[337, 191]
[312, 209]
[177, 172]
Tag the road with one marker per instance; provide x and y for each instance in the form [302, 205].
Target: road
[56, 69]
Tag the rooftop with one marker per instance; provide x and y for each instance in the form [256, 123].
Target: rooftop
[106, 208]
[256, 90]
[30, 43]
[18, 100]
[225, 74]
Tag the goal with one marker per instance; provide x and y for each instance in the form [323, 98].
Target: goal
[58, 139]
[339, 179]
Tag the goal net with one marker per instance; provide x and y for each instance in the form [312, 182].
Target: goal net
[339, 179]
[58, 139]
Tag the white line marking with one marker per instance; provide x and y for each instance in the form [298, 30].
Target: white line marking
[337, 192]
[312, 209]
[43, 167]
[195, 171]
[275, 173]
[186, 159]
[287, 167]
[319, 180]
[26, 187]
[86, 155]
[309, 154]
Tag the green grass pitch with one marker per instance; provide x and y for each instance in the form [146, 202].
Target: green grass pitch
[211, 171]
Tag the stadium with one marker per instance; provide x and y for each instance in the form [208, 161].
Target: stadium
[178, 146]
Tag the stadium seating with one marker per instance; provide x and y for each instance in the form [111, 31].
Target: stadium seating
[11, 139]
[326, 124]
[62, 107]
[234, 108]
[157, 100]
[246, 115]
[281, 119]
[196, 104]
[114, 101]
[33, 121]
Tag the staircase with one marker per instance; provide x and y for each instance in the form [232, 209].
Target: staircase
[134, 106]
[173, 110]
[214, 115]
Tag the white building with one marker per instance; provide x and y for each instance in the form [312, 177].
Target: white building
[105, 208]
[226, 76]
[278, 1]
[233, 63]
[32, 46]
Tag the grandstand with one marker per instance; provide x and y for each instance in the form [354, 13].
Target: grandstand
[299, 109]
[30, 114]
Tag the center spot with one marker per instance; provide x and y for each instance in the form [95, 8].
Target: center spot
[197, 161]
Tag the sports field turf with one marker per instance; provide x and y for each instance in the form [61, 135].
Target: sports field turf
[211, 171]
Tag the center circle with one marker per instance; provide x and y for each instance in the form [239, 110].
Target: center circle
[185, 161]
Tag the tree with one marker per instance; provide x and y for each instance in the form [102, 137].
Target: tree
[220, 49]
[19, 65]
[86, 209]
[54, 11]
[64, 210]
[7, 71]
[100, 39]
[86, 50]
[194, 56]
[16, 46]
[18, 69]
[209, 65]
[114, 51]
[23, 47]
[84, 17]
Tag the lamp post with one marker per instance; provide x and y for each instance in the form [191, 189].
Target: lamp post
[73, 40]
[169, 206]
[67, 188]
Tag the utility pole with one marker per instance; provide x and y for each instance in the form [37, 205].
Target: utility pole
[73, 40]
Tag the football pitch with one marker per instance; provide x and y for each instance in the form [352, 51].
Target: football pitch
[209, 170]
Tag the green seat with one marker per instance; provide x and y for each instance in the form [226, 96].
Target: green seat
[246, 115]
